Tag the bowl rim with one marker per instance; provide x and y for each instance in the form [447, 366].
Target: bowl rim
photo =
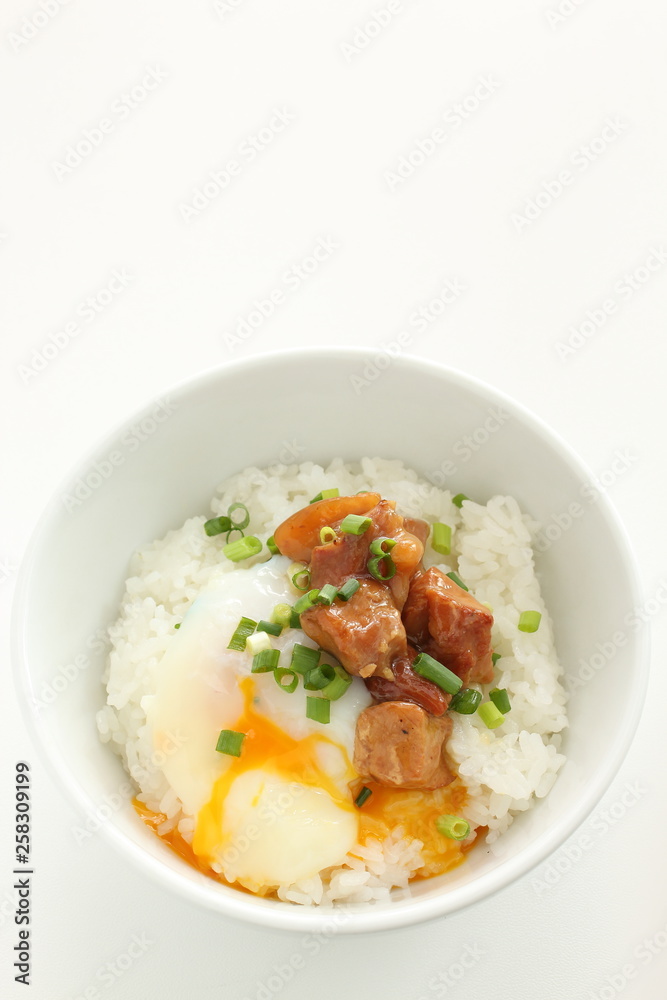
[287, 916]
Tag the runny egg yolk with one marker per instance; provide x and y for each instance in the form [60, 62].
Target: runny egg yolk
[282, 810]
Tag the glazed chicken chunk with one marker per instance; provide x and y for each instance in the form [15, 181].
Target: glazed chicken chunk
[400, 745]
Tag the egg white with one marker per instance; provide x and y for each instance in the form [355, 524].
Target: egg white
[300, 828]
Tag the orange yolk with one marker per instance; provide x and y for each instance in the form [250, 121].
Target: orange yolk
[268, 747]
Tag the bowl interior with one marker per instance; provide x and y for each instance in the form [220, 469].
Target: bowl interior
[164, 465]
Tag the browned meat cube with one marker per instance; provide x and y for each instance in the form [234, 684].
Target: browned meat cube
[365, 634]
[348, 555]
[400, 745]
[450, 625]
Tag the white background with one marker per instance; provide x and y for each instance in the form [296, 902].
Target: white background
[573, 928]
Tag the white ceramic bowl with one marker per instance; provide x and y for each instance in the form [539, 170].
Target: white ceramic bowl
[312, 402]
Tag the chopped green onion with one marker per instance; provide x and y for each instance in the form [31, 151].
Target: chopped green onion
[501, 700]
[337, 687]
[326, 495]
[299, 574]
[243, 548]
[229, 742]
[234, 531]
[441, 540]
[265, 660]
[318, 677]
[381, 546]
[258, 641]
[273, 628]
[349, 588]
[363, 796]
[244, 628]
[306, 602]
[279, 675]
[327, 534]
[294, 619]
[355, 524]
[529, 621]
[217, 526]
[327, 594]
[466, 701]
[454, 827]
[318, 709]
[304, 658]
[490, 715]
[385, 574]
[272, 547]
[245, 519]
[177, 625]
[459, 498]
[495, 657]
[433, 670]
[281, 614]
[457, 580]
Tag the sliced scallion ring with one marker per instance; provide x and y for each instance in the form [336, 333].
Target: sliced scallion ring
[454, 827]
[433, 670]
[245, 517]
[230, 742]
[326, 495]
[217, 526]
[243, 549]
[280, 673]
[318, 709]
[244, 629]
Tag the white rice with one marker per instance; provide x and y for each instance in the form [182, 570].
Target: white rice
[505, 770]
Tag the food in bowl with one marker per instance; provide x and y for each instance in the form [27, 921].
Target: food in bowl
[348, 697]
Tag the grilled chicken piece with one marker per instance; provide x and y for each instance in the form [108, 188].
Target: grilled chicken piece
[420, 529]
[297, 536]
[450, 625]
[409, 686]
[365, 634]
[348, 555]
[400, 745]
